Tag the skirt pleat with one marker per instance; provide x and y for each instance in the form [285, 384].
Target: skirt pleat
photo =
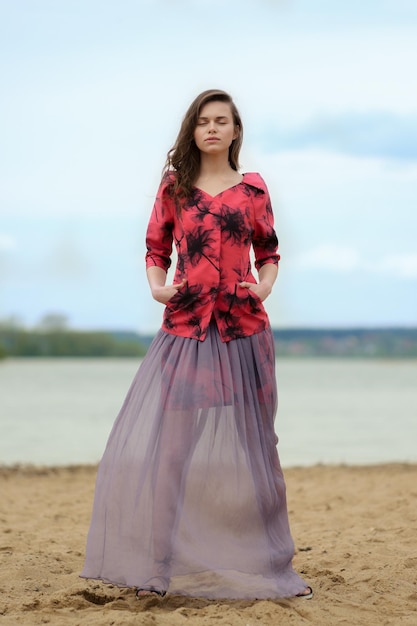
[190, 493]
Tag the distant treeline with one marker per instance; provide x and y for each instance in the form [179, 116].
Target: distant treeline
[349, 342]
[68, 343]
[355, 342]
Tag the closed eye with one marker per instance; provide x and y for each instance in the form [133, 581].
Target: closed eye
[219, 120]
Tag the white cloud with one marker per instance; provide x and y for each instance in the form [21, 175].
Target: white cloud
[365, 134]
[7, 243]
[322, 170]
[401, 265]
[329, 257]
[344, 259]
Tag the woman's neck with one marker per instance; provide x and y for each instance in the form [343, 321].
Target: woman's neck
[215, 166]
[216, 175]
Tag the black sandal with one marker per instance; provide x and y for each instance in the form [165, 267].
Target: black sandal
[148, 592]
[150, 589]
[306, 596]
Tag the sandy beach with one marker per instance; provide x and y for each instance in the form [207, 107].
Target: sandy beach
[355, 532]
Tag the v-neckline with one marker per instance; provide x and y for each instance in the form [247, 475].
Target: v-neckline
[213, 197]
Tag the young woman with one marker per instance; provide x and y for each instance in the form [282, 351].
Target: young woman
[190, 494]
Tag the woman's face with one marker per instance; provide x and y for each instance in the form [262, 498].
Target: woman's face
[215, 128]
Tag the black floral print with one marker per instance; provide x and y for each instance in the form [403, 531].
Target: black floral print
[213, 237]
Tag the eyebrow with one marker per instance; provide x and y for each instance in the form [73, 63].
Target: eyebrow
[219, 117]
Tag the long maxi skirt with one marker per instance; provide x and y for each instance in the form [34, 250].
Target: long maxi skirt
[190, 494]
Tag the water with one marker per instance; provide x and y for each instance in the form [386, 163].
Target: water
[60, 412]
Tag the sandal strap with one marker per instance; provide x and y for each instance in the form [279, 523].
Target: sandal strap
[150, 586]
[150, 590]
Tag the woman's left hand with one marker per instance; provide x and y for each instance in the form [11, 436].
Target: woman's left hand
[262, 289]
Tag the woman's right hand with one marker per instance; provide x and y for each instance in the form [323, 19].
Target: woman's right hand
[164, 293]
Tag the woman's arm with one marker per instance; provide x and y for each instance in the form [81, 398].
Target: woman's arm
[156, 279]
[267, 276]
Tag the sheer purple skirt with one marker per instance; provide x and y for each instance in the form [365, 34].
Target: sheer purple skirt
[190, 494]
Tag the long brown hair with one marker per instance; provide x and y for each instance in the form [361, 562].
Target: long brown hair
[184, 156]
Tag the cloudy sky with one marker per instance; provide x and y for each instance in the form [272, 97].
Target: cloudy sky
[92, 95]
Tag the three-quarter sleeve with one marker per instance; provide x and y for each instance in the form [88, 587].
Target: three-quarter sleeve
[159, 232]
[264, 239]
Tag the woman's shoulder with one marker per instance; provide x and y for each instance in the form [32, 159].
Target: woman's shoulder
[167, 183]
[254, 179]
[168, 178]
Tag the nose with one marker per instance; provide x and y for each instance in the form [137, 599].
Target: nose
[212, 126]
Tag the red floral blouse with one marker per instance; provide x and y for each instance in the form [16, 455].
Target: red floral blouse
[213, 237]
